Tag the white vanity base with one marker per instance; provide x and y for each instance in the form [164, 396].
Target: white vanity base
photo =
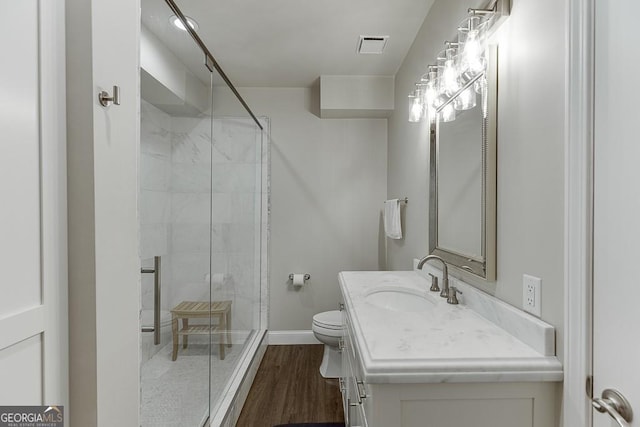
[444, 365]
[459, 405]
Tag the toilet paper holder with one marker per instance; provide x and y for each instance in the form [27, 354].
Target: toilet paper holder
[306, 276]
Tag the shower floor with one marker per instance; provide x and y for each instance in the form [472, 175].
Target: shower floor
[177, 393]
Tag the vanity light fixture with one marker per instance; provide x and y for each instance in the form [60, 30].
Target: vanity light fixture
[471, 35]
[416, 107]
[430, 92]
[466, 100]
[450, 72]
[447, 113]
[453, 82]
[176, 22]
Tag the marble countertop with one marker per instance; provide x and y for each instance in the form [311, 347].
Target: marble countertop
[446, 343]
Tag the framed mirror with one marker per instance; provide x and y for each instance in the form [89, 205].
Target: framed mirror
[462, 188]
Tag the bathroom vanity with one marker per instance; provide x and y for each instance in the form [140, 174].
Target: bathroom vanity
[410, 359]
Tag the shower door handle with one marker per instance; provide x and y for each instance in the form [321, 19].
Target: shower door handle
[156, 298]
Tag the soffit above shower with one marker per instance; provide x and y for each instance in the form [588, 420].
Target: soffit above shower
[290, 43]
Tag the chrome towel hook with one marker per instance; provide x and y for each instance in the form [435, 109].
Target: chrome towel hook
[105, 99]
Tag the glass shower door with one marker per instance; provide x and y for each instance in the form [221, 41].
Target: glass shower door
[239, 227]
[175, 223]
[203, 210]
[238, 239]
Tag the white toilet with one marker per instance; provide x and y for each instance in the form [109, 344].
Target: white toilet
[327, 327]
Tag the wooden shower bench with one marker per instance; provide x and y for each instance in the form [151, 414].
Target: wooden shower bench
[201, 310]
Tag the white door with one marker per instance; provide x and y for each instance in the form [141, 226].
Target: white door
[616, 355]
[33, 253]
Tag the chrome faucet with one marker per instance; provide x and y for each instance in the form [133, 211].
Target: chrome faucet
[445, 273]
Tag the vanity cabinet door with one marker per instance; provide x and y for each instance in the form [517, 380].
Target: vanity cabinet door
[354, 395]
[344, 381]
[354, 415]
[345, 374]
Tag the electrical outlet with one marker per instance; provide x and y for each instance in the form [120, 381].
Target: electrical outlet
[531, 294]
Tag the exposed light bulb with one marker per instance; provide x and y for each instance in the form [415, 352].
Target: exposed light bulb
[450, 82]
[471, 36]
[440, 100]
[450, 77]
[448, 113]
[430, 98]
[480, 85]
[431, 93]
[465, 100]
[473, 53]
[416, 109]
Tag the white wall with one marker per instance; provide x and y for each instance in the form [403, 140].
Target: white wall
[530, 149]
[328, 183]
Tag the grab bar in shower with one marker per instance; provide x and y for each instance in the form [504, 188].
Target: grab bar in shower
[156, 298]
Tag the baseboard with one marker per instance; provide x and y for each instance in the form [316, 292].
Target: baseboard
[292, 338]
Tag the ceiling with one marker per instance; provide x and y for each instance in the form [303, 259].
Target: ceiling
[290, 43]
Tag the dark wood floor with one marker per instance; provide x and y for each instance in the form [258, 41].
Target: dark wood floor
[289, 389]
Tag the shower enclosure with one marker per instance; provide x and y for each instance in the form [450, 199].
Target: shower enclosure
[203, 197]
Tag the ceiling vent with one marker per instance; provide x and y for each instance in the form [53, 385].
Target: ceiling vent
[372, 44]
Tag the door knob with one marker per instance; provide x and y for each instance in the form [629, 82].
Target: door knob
[616, 405]
[105, 99]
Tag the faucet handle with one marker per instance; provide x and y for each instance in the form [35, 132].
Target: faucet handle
[434, 283]
[452, 298]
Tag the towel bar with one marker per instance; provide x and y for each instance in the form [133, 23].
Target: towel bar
[405, 200]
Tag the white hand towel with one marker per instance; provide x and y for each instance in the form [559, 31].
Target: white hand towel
[392, 227]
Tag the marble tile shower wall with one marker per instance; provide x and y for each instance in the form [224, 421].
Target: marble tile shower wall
[185, 177]
[155, 197]
[236, 181]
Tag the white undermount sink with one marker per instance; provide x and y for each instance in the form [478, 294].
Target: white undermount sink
[399, 299]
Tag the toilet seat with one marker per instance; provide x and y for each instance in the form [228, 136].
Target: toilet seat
[328, 320]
